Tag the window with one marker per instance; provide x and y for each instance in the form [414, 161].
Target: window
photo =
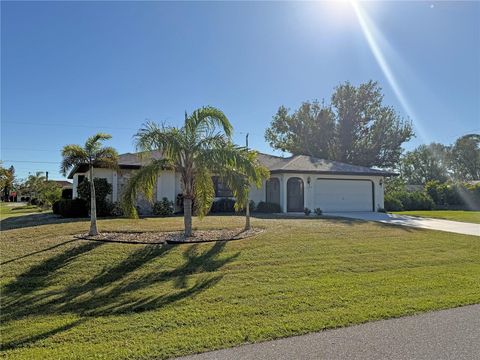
[221, 190]
[81, 178]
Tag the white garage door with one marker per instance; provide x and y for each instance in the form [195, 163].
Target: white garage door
[343, 195]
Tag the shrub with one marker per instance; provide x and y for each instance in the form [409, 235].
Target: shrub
[392, 203]
[223, 205]
[252, 205]
[267, 207]
[102, 189]
[307, 211]
[381, 210]
[116, 210]
[56, 207]
[402, 200]
[163, 208]
[318, 211]
[73, 208]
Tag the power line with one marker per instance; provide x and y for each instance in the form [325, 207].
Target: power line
[29, 149]
[33, 162]
[68, 125]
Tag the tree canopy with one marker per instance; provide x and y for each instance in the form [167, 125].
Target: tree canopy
[425, 163]
[354, 128]
[465, 157]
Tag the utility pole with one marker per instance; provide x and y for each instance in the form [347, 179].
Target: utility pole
[247, 209]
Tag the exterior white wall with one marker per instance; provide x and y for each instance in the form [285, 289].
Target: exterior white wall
[258, 195]
[75, 185]
[169, 186]
[166, 186]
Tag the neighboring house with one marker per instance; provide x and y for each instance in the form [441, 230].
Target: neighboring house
[67, 188]
[295, 182]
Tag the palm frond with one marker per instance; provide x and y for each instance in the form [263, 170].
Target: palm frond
[72, 155]
[106, 157]
[206, 119]
[143, 181]
[167, 140]
[93, 143]
[238, 159]
[237, 167]
[204, 191]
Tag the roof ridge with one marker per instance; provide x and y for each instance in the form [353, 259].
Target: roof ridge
[292, 160]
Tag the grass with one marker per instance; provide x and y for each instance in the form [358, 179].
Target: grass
[74, 299]
[455, 215]
[8, 210]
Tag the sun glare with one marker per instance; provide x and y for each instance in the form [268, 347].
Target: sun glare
[372, 35]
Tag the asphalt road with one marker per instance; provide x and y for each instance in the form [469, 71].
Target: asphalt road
[446, 334]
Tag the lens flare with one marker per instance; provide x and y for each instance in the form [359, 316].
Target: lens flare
[371, 34]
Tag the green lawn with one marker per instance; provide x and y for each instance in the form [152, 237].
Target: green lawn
[455, 215]
[15, 209]
[75, 299]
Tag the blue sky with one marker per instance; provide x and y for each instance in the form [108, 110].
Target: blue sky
[70, 69]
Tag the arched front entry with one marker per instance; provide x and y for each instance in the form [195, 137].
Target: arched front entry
[272, 187]
[295, 195]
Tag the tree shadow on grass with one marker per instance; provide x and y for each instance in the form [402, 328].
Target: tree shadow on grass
[23, 221]
[110, 292]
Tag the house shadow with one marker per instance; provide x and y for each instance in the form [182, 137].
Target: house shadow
[110, 292]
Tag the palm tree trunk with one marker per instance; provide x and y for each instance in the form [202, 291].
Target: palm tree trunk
[187, 215]
[93, 207]
[247, 216]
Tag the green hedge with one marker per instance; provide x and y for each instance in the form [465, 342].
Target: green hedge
[403, 200]
[267, 207]
[69, 208]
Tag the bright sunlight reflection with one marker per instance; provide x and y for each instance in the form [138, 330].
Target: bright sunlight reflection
[372, 34]
[369, 31]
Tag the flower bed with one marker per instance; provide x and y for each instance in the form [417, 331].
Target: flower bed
[172, 237]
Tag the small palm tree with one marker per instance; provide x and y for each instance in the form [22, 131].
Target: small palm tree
[198, 150]
[93, 155]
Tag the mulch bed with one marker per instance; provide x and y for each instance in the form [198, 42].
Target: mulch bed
[173, 237]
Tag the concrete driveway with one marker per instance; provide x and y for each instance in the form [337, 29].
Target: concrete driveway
[447, 334]
[413, 221]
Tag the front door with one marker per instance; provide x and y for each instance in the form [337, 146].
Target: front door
[295, 195]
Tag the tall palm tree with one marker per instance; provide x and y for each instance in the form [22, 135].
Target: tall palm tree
[201, 148]
[93, 155]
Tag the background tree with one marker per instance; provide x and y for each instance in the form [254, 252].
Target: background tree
[41, 191]
[7, 181]
[424, 164]
[34, 184]
[93, 155]
[201, 148]
[308, 130]
[356, 128]
[465, 158]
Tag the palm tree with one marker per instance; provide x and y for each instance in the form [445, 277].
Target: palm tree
[93, 155]
[201, 148]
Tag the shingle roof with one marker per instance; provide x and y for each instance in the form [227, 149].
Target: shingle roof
[135, 159]
[305, 163]
[62, 183]
[276, 164]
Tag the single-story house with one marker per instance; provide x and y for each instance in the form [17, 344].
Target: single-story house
[295, 182]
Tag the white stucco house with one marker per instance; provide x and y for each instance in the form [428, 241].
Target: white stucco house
[295, 182]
